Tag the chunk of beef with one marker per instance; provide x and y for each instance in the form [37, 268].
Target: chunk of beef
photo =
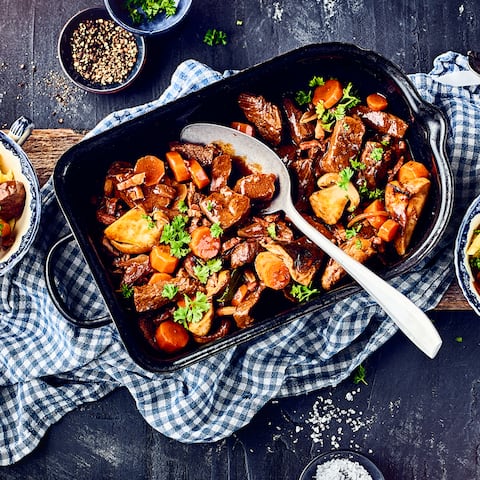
[242, 312]
[257, 186]
[204, 154]
[135, 269]
[345, 144]
[12, 199]
[225, 207]
[221, 170]
[361, 249]
[149, 296]
[305, 182]
[377, 160]
[300, 132]
[244, 253]
[383, 122]
[264, 115]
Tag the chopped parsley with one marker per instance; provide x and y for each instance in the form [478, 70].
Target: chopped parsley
[459, 339]
[357, 164]
[169, 291]
[215, 37]
[209, 206]
[150, 221]
[370, 194]
[302, 292]
[175, 235]
[345, 176]
[193, 310]
[127, 290]
[216, 230]
[377, 154]
[149, 8]
[352, 232]
[204, 270]
[303, 97]
[272, 231]
[182, 206]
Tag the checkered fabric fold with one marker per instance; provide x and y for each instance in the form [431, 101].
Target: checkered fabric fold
[49, 367]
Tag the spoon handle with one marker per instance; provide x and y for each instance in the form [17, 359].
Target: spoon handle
[406, 315]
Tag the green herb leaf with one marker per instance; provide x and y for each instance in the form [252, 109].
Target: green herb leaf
[150, 221]
[459, 339]
[182, 206]
[174, 234]
[149, 8]
[216, 230]
[193, 310]
[302, 292]
[204, 270]
[352, 232]
[127, 290]
[359, 375]
[377, 154]
[272, 231]
[169, 291]
[215, 37]
[345, 176]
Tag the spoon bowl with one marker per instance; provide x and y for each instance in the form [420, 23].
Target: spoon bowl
[406, 315]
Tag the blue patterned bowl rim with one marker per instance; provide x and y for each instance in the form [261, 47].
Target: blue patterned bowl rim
[32, 212]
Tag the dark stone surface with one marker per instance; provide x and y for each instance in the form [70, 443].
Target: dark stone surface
[417, 418]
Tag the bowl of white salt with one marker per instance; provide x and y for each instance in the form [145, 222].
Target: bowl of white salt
[341, 465]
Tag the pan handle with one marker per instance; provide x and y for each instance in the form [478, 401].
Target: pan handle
[57, 299]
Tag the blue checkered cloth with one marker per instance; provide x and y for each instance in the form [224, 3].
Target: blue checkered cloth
[49, 367]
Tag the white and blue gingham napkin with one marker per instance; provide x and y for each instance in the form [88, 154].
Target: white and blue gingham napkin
[49, 367]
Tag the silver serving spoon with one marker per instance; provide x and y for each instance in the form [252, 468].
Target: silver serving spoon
[464, 78]
[409, 318]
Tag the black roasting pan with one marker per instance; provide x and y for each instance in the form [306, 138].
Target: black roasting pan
[80, 172]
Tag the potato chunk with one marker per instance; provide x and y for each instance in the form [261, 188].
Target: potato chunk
[135, 232]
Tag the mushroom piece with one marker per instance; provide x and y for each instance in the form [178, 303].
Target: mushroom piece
[330, 201]
[203, 326]
[302, 258]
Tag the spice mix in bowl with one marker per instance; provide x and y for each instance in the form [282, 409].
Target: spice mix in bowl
[98, 55]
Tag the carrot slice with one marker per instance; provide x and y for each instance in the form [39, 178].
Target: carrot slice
[376, 221]
[171, 336]
[377, 102]
[158, 277]
[5, 229]
[239, 295]
[331, 92]
[162, 260]
[411, 170]
[178, 166]
[203, 244]
[152, 166]
[199, 177]
[243, 127]
[272, 271]
[388, 230]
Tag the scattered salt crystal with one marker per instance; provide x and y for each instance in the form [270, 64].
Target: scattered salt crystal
[341, 469]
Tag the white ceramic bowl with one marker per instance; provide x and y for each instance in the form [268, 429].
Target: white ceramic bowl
[470, 222]
[14, 158]
[353, 458]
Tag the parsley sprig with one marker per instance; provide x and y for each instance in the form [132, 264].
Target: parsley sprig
[215, 37]
[303, 292]
[359, 375]
[204, 270]
[175, 235]
[193, 310]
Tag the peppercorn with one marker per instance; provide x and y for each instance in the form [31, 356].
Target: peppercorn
[103, 53]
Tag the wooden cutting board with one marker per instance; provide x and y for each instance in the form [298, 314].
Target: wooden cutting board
[45, 147]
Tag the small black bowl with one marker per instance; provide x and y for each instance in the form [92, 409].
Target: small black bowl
[159, 24]
[66, 59]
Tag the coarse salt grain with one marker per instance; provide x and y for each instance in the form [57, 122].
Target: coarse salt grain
[341, 469]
